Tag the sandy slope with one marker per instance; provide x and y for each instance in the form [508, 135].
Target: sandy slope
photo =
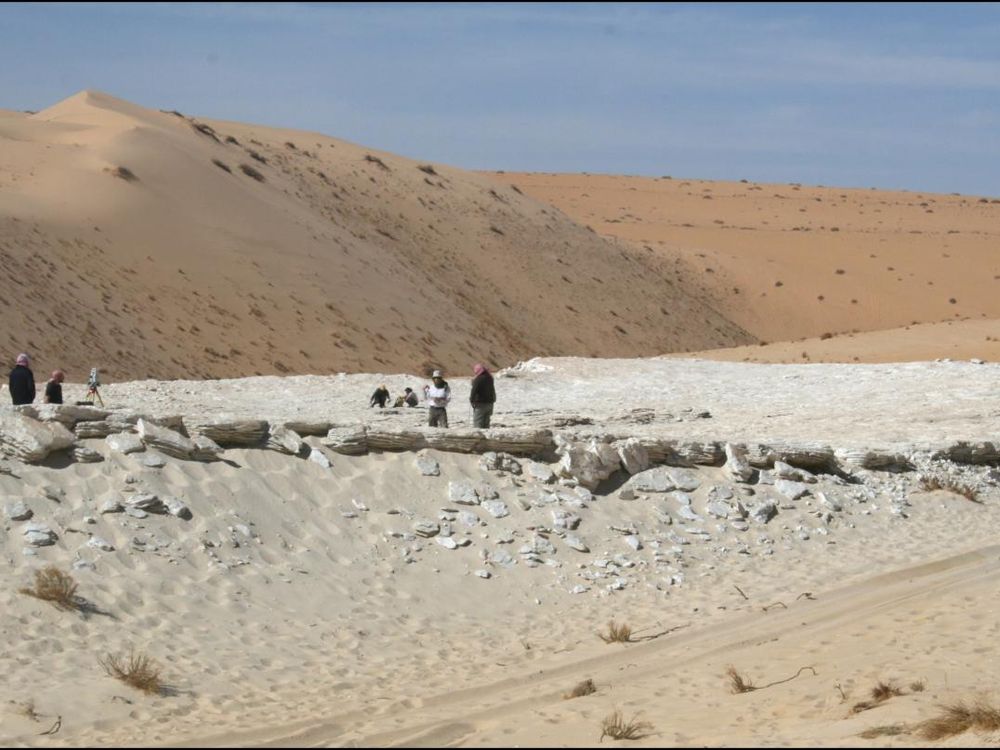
[340, 259]
[794, 261]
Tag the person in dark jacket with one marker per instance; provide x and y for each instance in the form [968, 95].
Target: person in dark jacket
[380, 396]
[22, 381]
[53, 389]
[482, 397]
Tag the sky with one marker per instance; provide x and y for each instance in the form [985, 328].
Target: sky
[893, 96]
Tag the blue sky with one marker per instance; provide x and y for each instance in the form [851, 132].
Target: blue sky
[854, 95]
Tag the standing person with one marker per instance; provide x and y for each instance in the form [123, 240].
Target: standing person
[482, 397]
[380, 396]
[438, 395]
[22, 381]
[53, 389]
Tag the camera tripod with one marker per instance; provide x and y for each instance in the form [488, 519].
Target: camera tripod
[92, 393]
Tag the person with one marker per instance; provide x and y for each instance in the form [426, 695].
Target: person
[380, 396]
[53, 389]
[22, 381]
[482, 397]
[438, 395]
[409, 398]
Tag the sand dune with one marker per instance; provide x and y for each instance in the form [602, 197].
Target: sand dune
[154, 244]
[788, 262]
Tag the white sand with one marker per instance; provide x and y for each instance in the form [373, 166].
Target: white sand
[318, 633]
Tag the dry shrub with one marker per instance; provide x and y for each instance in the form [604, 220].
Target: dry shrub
[52, 585]
[616, 633]
[582, 688]
[251, 172]
[205, 130]
[960, 717]
[887, 730]
[376, 160]
[917, 686]
[124, 173]
[428, 169]
[883, 691]
[256, 157]
[930, 484]
[222, 165]
[615, 727]
[135, 669]
[737, 682]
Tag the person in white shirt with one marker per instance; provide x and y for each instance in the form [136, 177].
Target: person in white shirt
[438, 394]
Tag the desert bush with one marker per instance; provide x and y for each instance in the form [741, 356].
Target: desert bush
[737, 682]
[376, 160]
[616, 633]
[917, 686]
[222, 165]
[124, 173]
[256, 157]
[930, 484]
[960, 717]
[251, 172]
[580, 689]
[428, 169]
[135, 669]
[886, 730]
[617, 728]
[230, 139]
[204, 129]
[883, 691]
[52, 585]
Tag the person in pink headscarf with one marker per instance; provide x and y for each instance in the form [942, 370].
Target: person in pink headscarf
[482, 396]
[22, 381]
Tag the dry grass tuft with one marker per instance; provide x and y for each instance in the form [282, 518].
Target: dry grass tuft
[222, 165]
[960, 717]
[251, 172]
[737, 682]
[124, 173]
[887, 730]
[917, 686]
[616, 633]
[204, 129]
[376, 160]
[930, 484]
[582, 688]
[52, 585]
[429, 169]
[615, 727]
[883, 691]
[135, 669]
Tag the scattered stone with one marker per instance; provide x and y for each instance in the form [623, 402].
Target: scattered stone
[102, 544]
[39, 535]
[318, 457]
[176, 507]
[496, 508]
[426, 528]
[540, 472]
[737, 464]
[427, 466]
[447, 542]
[633, 455]
[575, 542]
[791, 490]
[764, 511]
[125, 442]
[484, 574]
[84, 455]
[462, 493]
[17, 511]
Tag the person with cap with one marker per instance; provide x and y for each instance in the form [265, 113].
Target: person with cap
[380, 396]
[22, 381]
[482, 397]
[53, 389]
[438, 395]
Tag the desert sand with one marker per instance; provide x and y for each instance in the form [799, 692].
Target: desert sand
[296, 606]
[791, 262]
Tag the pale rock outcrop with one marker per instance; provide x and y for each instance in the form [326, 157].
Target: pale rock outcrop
[633, 455]
[285, 440]
[125, 442]
[228, 433]
[737, 465]
[29, 440]
[165, 440]
[348, 440]
[427, 466]
[588, 463]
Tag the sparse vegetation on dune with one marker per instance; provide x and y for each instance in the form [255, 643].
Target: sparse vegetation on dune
[135, 669]
[52, 585]
[957, 718]
[617, 727]
[616, 633]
